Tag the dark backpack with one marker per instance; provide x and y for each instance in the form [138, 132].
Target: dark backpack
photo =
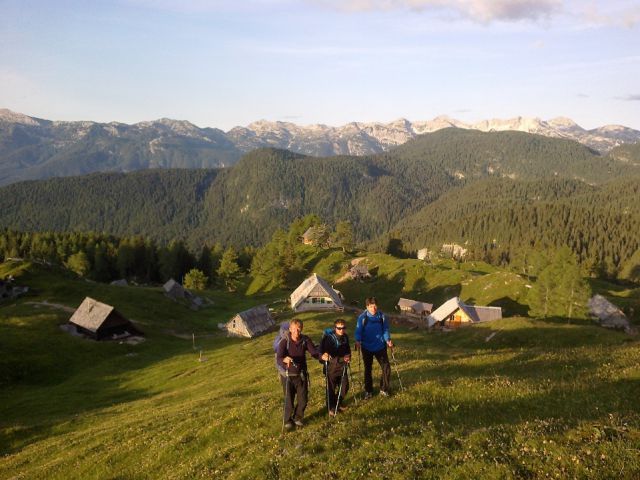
[328, 332]
[282, 335]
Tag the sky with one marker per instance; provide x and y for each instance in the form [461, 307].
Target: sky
[219, 63]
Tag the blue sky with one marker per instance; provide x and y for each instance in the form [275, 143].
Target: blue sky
[227, 63]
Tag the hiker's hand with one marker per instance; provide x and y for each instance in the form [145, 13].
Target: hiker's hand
[389, 343]
[357, 346]
[347, 358]
[325, 357]
[287, 361]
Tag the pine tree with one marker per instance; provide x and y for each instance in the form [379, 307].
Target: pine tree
[195, 279]
[79, 263]
[343, 236]
[229, 271]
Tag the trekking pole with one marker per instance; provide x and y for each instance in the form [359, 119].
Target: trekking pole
[395, 365]
[344, 369]
[355, 396]
[326, 384]
[286, 396]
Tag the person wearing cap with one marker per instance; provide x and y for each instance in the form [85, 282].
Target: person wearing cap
[372, 338]
[335, 343]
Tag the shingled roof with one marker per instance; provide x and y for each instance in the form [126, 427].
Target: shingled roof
[475, 312]
[250, 323]
[93, 316]
[314, 286]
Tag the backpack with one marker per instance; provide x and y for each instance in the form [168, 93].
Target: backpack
[283, 333]
[366, 318]
[328, 332]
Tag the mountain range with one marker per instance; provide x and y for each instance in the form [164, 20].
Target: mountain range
[33, 148]
[506, 190]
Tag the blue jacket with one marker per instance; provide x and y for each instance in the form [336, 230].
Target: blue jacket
[375, 334]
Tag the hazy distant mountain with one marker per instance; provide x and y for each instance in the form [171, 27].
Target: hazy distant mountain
[268, 188]
[32, 148]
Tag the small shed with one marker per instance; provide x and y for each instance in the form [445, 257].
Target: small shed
[250, 323]
[315, 294]
[173, 289]
[307, 237]
[413, 307]
[359, 272]
[607, 313]
[101, 321]
[455, 313]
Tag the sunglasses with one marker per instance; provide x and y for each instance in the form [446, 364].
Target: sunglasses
[341, 328]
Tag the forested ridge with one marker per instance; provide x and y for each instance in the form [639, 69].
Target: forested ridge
[496, 218]
[518, 189]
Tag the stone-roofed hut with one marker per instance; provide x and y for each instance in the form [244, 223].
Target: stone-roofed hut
[315, 294]
[359, 272]
[413, 307]
[101, 321]
[455, 313]
[250, 323]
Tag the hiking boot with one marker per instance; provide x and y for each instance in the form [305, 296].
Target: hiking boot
[299, 423]
[288, 425]
[384, 393]
[367, 395]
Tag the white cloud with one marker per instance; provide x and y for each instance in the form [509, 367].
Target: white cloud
[616, 13]
[630, 98]
[621, 13]
[483, 11]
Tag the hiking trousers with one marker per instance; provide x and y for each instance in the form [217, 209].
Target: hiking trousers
[334, 377]
[383, 360]
[298, 387]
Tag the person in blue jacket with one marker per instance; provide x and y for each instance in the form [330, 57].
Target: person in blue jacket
[372, 338]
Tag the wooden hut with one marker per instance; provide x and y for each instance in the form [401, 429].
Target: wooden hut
[315, 294]
[307, 237]
[250, 323]
[359, 272]
[101, 321]
[413, 307]
[455, 313]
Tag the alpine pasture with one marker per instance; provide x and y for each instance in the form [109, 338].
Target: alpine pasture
[515, 398]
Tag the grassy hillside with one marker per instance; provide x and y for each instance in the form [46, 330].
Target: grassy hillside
[538, 399]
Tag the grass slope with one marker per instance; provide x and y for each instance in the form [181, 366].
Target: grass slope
[539, 399]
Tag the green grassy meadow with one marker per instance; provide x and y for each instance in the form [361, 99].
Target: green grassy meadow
[516, 398]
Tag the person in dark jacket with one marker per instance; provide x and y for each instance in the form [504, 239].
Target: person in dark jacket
[291, 357]
[372, 338]
[336, 345]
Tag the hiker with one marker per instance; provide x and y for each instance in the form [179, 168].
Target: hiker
[335, 343]
[291, 359]
[372, 339]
